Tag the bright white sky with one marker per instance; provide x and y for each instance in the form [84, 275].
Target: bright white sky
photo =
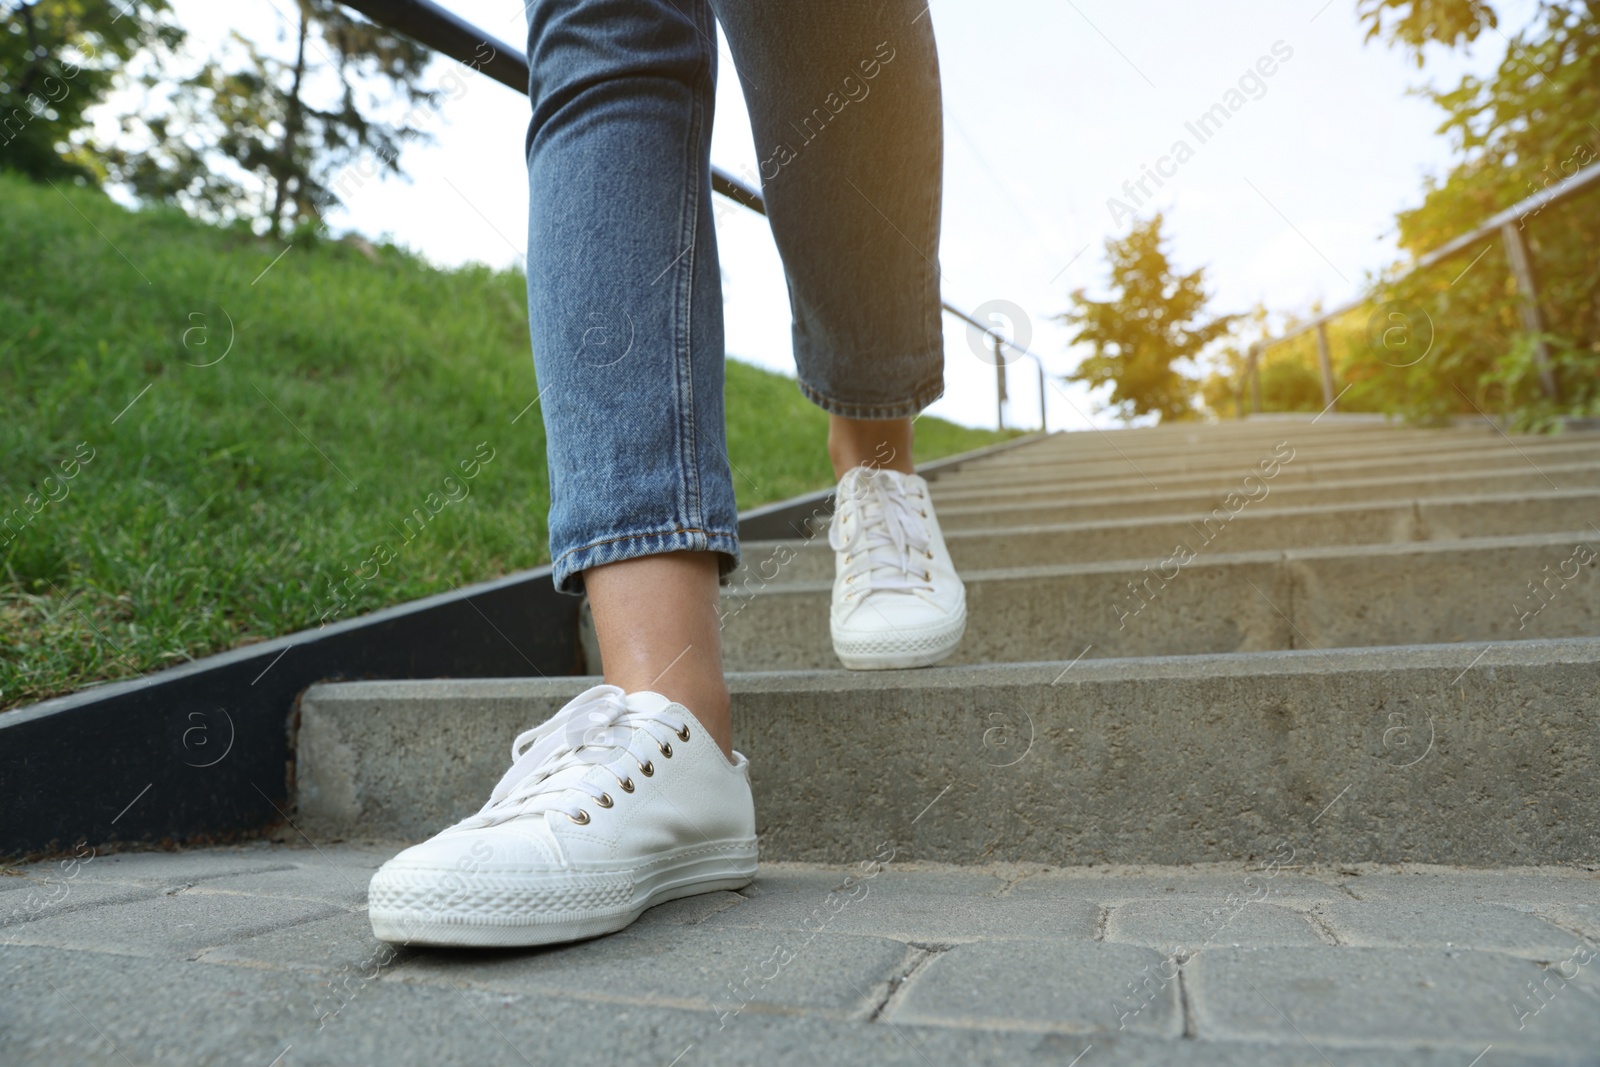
[1050, 106]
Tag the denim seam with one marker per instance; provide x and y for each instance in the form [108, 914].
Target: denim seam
[712, 538]
[645, 533]
[935, 189]
[921, 398]
[689, 446]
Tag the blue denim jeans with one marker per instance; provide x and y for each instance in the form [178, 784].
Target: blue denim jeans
[624, 286]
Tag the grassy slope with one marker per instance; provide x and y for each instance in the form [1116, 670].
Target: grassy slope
[226, 502]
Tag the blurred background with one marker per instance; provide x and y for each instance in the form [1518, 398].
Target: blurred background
[264, 294]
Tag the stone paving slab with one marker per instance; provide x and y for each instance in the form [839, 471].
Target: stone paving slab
[1188, 926]
[42, 898]
[945, 906]
[1217, 884]
[259, 955]
[1075, 987]
[1515, 886]
[177, 868]
[56, 1010]
[340, 944]
[1424, 924]
[343, 886]
[177, 924]
[723, 972]
[1350, 996]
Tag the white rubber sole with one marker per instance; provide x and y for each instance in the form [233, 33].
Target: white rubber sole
[892, 650]
[544, 908]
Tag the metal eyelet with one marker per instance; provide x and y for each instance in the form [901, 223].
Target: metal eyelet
[605, 800]
[647, 768]
[666, 750]
[683, 734]
[627, 785]
[582, 818]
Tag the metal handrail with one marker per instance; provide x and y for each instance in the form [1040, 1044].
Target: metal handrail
[1502, 222]
[996, 340]
[449, 34]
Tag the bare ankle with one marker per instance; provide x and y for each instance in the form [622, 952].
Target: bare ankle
[884, 443]
[656, 618]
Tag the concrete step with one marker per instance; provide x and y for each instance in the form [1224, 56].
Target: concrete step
[1254, 528]
[1037, 459]
[1288, 466]
[1471, 589]
[1018, 508]
[1040, 459]
[1477, 755]
[1150, 440]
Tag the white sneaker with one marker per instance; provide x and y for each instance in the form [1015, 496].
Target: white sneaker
[619, 802]
[897, 601]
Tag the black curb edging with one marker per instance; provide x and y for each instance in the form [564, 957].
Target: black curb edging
[203, 752]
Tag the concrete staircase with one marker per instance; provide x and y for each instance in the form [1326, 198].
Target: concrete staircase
[1334, 639]
[996, 861]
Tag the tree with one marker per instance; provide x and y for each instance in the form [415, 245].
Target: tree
[1154, 319]
[58, 58]
[1532, 123]
[250, 140]
[1416, 23]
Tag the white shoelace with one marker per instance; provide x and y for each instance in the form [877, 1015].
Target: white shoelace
[883, 533]
[550, 762]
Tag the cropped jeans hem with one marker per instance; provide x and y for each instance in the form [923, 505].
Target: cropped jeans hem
[924, 396]
[567, 570]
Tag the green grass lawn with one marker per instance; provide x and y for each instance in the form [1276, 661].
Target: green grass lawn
[159, 509]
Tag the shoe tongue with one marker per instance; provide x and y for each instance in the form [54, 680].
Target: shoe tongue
[858, 483]
[647, 701]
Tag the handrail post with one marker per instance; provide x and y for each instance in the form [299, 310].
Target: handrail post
[1326, 364]
[999, 381]
[1044, 423]
[1532, 320]
[1255, 378]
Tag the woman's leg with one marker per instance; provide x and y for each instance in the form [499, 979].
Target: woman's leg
[624, 289]
[845, 110]
[845, 107]
[882, 443]
[625, 305]
[659, 629]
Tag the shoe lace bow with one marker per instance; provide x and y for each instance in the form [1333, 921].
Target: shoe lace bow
[550, 763]
[883, 531]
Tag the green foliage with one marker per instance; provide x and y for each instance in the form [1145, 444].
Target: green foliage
[1450, 340]
[246, 139]
[255, 431]
[1533, 123]
[57, 59]
[1416, 23]
[1154, 318]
